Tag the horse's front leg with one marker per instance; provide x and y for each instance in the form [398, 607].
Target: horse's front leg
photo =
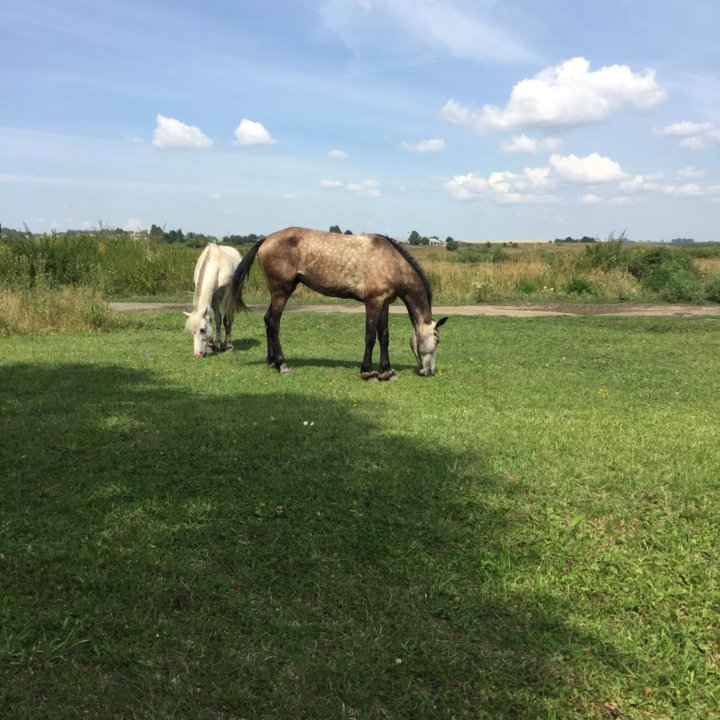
[372, 319]
[386, 372]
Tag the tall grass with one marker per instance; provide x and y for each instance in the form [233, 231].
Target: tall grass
[114, 266]
[45, 310]
[612, 271]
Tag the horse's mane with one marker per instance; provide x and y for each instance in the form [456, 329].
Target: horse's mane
[414, 264]
[201, 274]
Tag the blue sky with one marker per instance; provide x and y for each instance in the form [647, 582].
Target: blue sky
[477, 120]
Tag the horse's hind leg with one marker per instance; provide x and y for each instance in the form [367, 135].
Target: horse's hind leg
[373, 313]
[228, 323]
[275, 356]
[217, 340]
[386, 372]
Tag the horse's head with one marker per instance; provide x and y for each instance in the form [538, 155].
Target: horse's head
[199, 324]
[423, 342]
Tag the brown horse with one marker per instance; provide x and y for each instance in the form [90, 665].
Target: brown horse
[370, 268]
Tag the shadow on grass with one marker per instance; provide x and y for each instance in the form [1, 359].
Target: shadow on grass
[276, 557]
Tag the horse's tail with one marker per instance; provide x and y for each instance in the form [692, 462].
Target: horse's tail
[233, 299]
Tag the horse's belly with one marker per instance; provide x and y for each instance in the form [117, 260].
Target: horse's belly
[333, 288]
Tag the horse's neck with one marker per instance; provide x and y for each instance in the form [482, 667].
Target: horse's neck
[205, 287]
[418, 305]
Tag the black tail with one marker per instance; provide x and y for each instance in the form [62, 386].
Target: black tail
[233, 295]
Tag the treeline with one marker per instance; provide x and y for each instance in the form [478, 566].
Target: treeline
[155, 234]
[583, 239]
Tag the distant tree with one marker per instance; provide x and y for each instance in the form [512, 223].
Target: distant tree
[157, 233]
[415, 238]
[174, 236]
[451, 244]
[348, 232]
[335, 229]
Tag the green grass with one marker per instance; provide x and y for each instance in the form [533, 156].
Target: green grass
[532, 533]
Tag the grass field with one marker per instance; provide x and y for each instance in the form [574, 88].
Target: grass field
[532, 533]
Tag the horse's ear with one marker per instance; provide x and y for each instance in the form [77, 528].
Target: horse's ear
[186, 314]
[440, 322]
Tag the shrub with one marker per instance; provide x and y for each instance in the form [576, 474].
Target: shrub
[579, 286]
[647, 262]
[681, 286]
[526, 287]
[712, 288]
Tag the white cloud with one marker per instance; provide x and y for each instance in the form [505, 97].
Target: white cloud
[684, 129]
[641, 183]
[536, 185]
[592, 168]
[133, 224]
[337, 154]
[250, 133]
[504, 188]
[172, 134]
[425, 146]
[684, 191]
[365, 188]
[690, 173]
[692, 135]
[589, 199]
[568, 94]
[528, 145]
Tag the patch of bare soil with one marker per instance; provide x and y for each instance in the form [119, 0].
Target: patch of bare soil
[618, 309]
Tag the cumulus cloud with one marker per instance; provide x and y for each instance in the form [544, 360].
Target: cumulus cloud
[337, 154]
[365, 188]
[536, 185]
[250, 133]
[568, 94]
[589, 199]
[592, 168]
[652, 184]
[171, 134]
[692, 135]
[504, 188]
[524, 144]
[425, 146]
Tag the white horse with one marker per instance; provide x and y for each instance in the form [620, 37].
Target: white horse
[213, 271]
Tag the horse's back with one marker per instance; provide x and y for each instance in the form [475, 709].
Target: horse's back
[332, 263]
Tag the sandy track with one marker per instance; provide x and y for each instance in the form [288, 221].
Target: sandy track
[615, 310]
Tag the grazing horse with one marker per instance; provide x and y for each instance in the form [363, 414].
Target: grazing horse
[370, 268]
[213, 271]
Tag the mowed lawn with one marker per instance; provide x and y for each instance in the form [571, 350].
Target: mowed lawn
[532, 533]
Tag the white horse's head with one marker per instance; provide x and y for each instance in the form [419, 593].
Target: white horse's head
[200, 325]
[424, 342]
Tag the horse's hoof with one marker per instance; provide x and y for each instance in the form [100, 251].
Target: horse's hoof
[372, 376]
[283, 369]
[229, 347]
[388, 375]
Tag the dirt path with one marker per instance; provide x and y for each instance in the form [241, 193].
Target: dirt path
[507, 310]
